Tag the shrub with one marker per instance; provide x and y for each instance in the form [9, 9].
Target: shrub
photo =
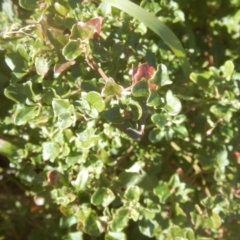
[110, 129]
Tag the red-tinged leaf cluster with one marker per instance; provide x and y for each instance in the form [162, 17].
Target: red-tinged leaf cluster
[143, 70]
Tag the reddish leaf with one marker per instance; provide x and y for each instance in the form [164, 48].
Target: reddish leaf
[61, 67]
[236, 154]
[143, 71]
[94, 26]
[53, 177]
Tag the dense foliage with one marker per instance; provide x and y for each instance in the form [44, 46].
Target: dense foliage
[113, 126]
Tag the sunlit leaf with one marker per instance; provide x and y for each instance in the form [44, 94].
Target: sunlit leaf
[51, 151]
[102, 197]
[41, 65]
[95, 100]
[115, 236]
[81, 181]
[133, 193]
[173, 105]
[161, 78]
[227, 70]
[24, 114]
[120, 220]
[111, 88]
[72, 50]
[87, 138]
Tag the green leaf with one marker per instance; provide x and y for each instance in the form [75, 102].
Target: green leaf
[103, 196]
[81, 181]
[156, 135]
[85, 210]
[136, 167]
[105, 9]
[154, 99]
[72, 50]
[134, 214]
[87, 138]
[169, 133]
[144, 180]
[62, 197]
[160, 120]
[24, 114]
[156, 26]
[66, 222]
[227, 70]
[221, 159]
[176, 232]
[208, 202]
[17, 63]
[115, 236]
[28, 91]
[189, 234]
[204, 238]
[8, 148]
[111, 88]
[149, 213]
[22, 50]
[173, 105]
[181, 131]
[113, 115]
[50, 151]
[66, 119]
[216, 220]
[148, 227]
[28, 4]
[97, 169]
[41, 65]
[60, 106]
[179, 119]
[140, 89]
[136, 110]
[161, 78]
[221, 112]
[72, 160]
[202, 79]
[95, 100]
[120, 219]
[197, 220]
[61, 9]
[57, 38]
[162, 191]
[133, 193]
[66, 210]
[65, 113]
[20, 92]
[15, 92]
[74, 236]
[92, 225]
[78, 31]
